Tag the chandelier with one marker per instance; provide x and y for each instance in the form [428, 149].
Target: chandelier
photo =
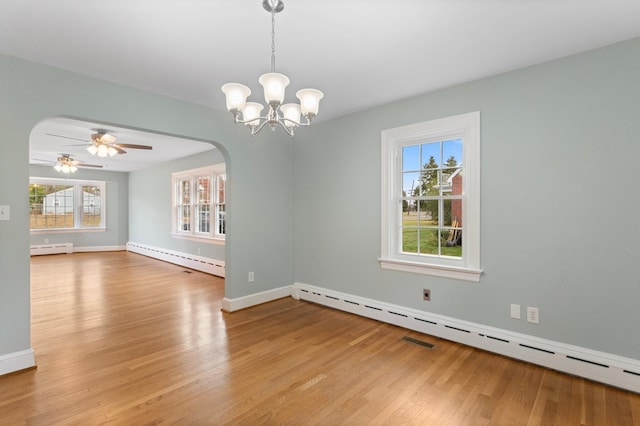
[288, 116]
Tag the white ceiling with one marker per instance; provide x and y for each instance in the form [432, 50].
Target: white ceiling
[360, 53]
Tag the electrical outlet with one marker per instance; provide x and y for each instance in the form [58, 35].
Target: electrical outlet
[426, 294]
[251, 277]
[515, 311]
[533, 315]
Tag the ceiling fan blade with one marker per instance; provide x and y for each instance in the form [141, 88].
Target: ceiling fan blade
[67, 137]
[89, 165]
[42, 160]
[117, 148]
[134, 146]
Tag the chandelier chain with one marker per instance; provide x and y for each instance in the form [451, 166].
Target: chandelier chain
[273, 41]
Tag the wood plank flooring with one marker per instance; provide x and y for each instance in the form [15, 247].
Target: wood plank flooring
[123, 339]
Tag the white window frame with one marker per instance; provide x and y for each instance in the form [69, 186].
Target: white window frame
[213, 172]
[78, 207]
[467, 127]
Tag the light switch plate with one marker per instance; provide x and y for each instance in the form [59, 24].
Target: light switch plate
[4, 212]
[515, 311]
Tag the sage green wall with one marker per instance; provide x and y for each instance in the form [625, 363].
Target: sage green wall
[559, 216]
[259, 172]
[150, 201]
[117, 201]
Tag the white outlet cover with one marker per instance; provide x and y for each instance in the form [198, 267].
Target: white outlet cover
[533, 315]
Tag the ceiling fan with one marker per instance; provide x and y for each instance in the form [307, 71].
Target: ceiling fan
[66, 164]
[104, 144]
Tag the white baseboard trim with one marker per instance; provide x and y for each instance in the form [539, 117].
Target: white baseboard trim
[598, 366]
[91, 249]
[199, 263]
[231, 305]
[17, 361]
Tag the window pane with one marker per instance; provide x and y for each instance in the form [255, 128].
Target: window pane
[410, 240]
[411, 158]
[429, 241]
[91, 206]
[204, 193]
[452, 153]
[452, 242]
[429, 210]
[51, 206]
[184, 193]
[204, 217]
[184, 218]
[430, 182]
[431, 155]
[411, 184]
[221, 219]
[222, 180]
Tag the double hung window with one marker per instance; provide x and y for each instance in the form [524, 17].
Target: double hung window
[199, 202]
[431, 198]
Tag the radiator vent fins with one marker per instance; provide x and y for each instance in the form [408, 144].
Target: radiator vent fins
[457, 329]
[537, 349]
[424, 320]
[587, 361]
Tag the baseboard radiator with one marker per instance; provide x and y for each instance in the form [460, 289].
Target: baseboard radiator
[198, 263]
[595, 365]
[56, 248]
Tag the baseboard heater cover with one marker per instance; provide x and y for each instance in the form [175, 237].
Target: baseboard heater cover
[199, 263]
[57, 248]
[598, 366]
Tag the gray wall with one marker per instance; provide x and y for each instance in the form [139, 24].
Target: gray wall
[259, 193]
[117, 198]
[150, 202]
[559, 202]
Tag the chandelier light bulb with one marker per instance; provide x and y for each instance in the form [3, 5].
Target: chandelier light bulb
[291, 113]
[274, 85]
[251, 113]
[58, 167]
[309, 101]
[236, 95]
[92, 149]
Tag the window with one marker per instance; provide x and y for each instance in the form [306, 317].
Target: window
[66, 204]
[431, 198]
[199, 203]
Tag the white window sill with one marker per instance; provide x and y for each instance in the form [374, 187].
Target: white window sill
[208, 240]
[453, 272]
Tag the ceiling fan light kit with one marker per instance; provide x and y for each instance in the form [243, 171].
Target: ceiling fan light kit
[66, 164]
[287, 116]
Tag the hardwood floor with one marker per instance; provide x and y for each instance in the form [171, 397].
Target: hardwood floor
[124, 339]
